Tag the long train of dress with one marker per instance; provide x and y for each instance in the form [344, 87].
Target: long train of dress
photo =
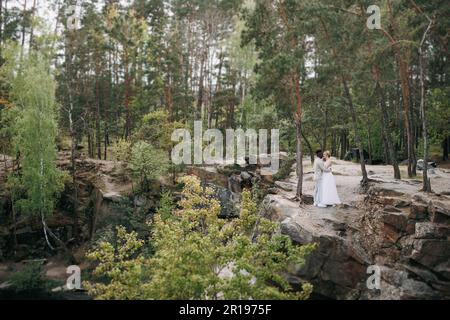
[329, 194]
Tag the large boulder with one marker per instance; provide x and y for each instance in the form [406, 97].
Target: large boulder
[228, 206]
[337, 267]
[419, 208]
[209, 174]
[395, 225]
[439, 211]
[404, 232]
[286, 186]
[430, 230]
[434, 255]
[398, 284]
[421, 164]
[235, 183]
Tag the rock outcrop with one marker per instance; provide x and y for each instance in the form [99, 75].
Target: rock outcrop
[403, 233]
[411, 242]
[337, 267]
[100, 188]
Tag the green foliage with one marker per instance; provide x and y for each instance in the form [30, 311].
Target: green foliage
[121, 150]
[148, 163]
[261, 114]
[230, 169]
[199, 256]
[243, 58]
[439, 114]
[130, 216]
[8, 112]
[31, 279]
[139, 70]
[166, 206]
[119, 266]
[33, 91]
[285, 169]
[156, 129]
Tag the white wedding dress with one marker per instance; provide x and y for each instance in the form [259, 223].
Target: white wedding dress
[329, 196]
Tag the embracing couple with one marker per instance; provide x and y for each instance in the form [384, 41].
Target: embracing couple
[325, 192]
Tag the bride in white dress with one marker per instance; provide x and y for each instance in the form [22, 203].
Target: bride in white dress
[330, 195]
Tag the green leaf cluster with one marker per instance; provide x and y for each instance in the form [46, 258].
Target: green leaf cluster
[200, 256]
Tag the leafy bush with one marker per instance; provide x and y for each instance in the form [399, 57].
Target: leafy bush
[148, 163]
[121, 150]
[166, 206]
[285, 169]
[230, 169]
[32, 279]
[200, 256]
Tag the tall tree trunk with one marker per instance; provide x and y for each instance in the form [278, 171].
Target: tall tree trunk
[108, 95]
[308, 144]
[369, 141]
[445, 148]
[386, 158]
[218, 87]
[23, 30]
[73, 151]
[403, 69]
[365, 179]
[333, 144]
[200, 89]
[296, 101]
[390, 153]
[343, 144]
[209, 104]
[426, 181]
[358, 141]
[298, 127]
[33, 12]
[232, 108]
[406, 93]
[325, 130]
[169, 98]
[127, 94]
[89, 136]
[387, 131]
[14, 219]
[97, 121]
[74, 142]
[299, 159]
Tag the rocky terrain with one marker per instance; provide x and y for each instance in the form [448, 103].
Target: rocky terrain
[100, 185]
[393, 226]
